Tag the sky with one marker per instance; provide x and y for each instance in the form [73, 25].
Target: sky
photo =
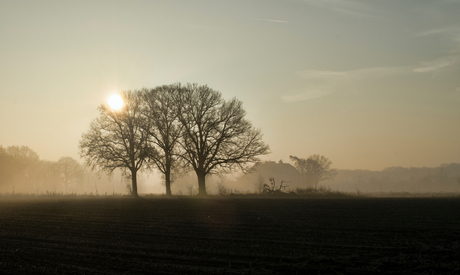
[368, 84]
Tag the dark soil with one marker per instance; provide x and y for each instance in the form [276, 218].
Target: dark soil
[237, 235]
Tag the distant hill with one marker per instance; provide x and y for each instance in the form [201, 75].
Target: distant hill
[444, 178]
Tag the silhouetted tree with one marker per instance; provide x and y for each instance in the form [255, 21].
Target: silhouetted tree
[163, 128]
[314, 169]
[215, 134]
[116, 139]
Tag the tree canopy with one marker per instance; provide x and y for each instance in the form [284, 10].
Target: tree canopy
[215, 135]
[116, 138]
[314, 169]
[70, 173]
[171, 126]
[163, 129]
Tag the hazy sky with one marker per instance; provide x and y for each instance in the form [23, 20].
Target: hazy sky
[369, 84]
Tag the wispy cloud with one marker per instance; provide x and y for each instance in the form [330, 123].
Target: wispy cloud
[450, 32]
[202, 28]
[272, 20]
[432, 67]
[432, 32]
[322, 82]
[452, 29]
[353, 74]
[357, 13]
[306, 95]
[318, 74]
[349, 7]
[437, 64]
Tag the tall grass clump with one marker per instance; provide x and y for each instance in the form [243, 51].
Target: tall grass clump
[320, 191]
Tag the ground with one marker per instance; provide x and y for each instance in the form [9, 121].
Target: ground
[232, 235]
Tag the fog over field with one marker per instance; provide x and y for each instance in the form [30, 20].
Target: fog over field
[229, 137]
[368, 90]
[67, 176]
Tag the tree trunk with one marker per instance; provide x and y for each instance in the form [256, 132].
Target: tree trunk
[134, 182]
[168, 183]
[201, 183]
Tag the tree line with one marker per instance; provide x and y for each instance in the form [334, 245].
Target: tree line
[172, 128]
[21, 170]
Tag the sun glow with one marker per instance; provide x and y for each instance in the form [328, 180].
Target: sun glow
[115, 102]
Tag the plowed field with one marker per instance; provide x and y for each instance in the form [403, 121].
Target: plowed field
[230, 236]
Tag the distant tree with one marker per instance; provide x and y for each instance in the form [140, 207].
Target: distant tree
[49, 177]
[70, 172]
[222, 190]
[163, 129]
[6, 166]
[314, 169]
[23, 156]
[21, 162]
[442, 174]
[116, 139]
[259, 183]
[215, 133]
[191, 190]
[22, 170]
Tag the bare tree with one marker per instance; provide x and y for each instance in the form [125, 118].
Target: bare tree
[314, 169]
[116, 139]
[22, 155]
[49, 178]
[70, 172]
[163, 128]
[21, 164]
[6, 167]
[216, 135]
[259, 183]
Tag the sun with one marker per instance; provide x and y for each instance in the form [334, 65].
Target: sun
[115, 102]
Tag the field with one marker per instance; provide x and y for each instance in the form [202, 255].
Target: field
[230, 236]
